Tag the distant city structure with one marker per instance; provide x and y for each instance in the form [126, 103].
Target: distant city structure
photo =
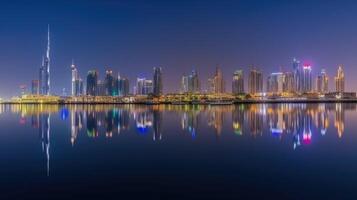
[101, 88]
[35, 87]
[289, 82]
[157, 81]
[216, 84]
[297, 70]
[275, 83]
[255, 81]
[190, 83]
[297, 82]
[144, 86]
[238, 82]
[109, 83]
[340, 80]
[92, 83]
[306, 79]
[123, 86]
[322, 82]
[77, 83]
[44, 75]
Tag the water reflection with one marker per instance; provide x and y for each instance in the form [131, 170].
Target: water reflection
[299, 123]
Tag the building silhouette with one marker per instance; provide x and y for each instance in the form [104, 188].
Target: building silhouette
[92, 83]
[44, 74]
[255, 81]
[340, 80]
[238, 82]
[157, 81]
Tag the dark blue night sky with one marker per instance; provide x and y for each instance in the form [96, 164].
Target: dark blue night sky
[131, 37]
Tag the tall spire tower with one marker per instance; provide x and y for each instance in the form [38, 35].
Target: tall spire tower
[45, 68]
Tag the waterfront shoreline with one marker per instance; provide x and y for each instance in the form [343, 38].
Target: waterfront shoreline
[250, 101]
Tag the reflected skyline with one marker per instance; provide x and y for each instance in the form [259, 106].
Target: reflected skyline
[253, 119]
[294, 126]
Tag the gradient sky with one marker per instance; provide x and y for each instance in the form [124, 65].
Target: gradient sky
[131, 37]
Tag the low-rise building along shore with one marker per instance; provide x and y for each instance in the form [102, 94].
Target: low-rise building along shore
[177, 99]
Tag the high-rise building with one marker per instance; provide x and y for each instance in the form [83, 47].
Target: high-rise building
[101, 88]
[123, 86]
[78, 87]
[194, 85]
[297, 71]
[275, 83]
[74, 78]
[190, 83]
[238, 82]
[289, 82]
[340, 80]
[35, 87]
[44, 75]
[76, 82]
[157, 81]
[144, 86]
[255, 81]
[306, 83]
[184, 84]
[322, 82]
[216, 82]
[109, 83]
[92, 83]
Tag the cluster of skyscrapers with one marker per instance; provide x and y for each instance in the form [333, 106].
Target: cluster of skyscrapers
[297, 81]
[111, 86]
[146, 86]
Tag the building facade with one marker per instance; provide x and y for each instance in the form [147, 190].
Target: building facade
[306, 79]
[109, 83]
[340, 80]
[322, 82]
[144, 86]
[35, 87]
[92, 83]
[123, 86]
[238, 82]
[44, 73]
[157, 81]
[255, 81]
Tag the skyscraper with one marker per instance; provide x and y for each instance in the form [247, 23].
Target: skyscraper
[92, 81]
[78, 87]
[275, 83]
[144, 86]
[157, 81]
[184, 84]
[35, 87]
[238, 82]
[190, 83]
[297, 71]
[194, 85]
[289, 82]
[216, 83]
[255, 81]
[74, 78]
[123, 86]
[306, 83]
[101, 88]
[340, 80]
[44, 75]
[109, 83]
[322, 82]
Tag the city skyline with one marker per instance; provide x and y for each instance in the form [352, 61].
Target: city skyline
[298, 79]
[210, 39]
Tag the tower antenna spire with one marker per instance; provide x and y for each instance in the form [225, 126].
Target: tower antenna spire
[48, 42]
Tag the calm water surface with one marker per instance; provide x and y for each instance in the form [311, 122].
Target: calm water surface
[297, 151]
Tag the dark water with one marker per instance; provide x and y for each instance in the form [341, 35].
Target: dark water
[294, 151]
